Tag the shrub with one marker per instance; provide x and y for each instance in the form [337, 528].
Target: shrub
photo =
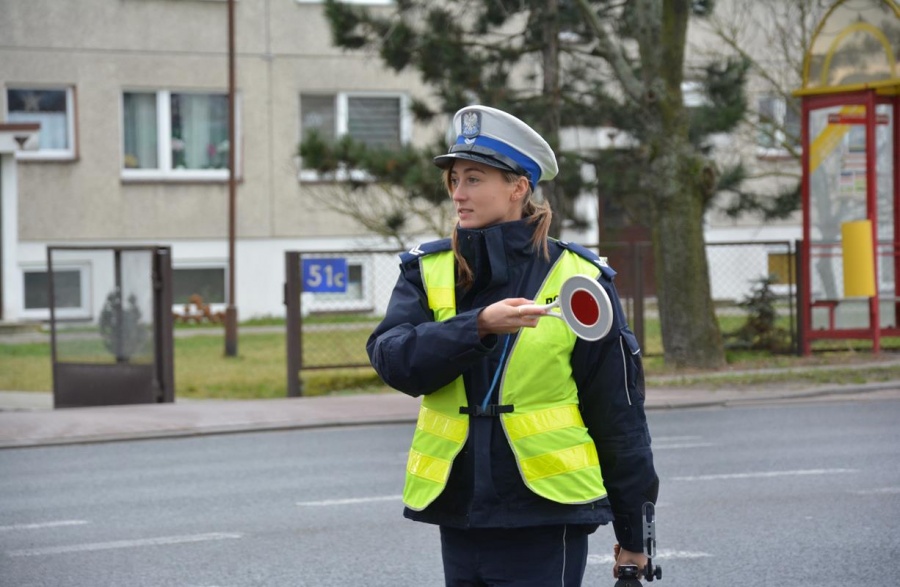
[760, 331]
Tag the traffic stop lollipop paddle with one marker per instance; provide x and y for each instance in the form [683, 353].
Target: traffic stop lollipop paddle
[584, 305]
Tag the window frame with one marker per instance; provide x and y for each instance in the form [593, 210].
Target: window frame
[341, 122]
[165, 172]
[42, 154]
[84, 312]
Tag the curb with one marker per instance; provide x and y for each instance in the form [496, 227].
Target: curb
[798, 395]
[39, 428]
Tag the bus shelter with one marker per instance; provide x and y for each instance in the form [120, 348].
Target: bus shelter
[120, 351]
[850, 253]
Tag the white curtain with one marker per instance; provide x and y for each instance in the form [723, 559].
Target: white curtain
[203, 128]
[141, 147]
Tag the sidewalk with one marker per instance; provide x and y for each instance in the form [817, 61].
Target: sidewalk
[27, 418]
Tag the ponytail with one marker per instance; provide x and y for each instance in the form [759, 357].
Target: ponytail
[540, 215]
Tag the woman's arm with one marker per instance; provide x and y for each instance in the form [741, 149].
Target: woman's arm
[416, 355]
[610, 379]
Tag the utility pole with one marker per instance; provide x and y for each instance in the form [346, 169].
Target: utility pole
[231, 342]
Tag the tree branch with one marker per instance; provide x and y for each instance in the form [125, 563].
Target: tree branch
[612, 54]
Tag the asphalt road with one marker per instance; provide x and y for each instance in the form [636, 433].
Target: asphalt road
[803, 494]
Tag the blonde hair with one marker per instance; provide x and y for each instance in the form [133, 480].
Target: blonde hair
[536, 213]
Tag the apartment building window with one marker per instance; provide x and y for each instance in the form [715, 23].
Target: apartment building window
[206, 282]
[54, 109]
[175, 135]
[377, 120]
[778, 126]
[70, 285]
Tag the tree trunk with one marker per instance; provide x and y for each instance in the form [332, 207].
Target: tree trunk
[551, 190]
[690, 331]
[678, 189]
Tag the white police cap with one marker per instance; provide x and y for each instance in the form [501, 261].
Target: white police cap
[501, 140]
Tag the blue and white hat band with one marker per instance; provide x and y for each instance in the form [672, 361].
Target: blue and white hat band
[499, 139]
[521, 163]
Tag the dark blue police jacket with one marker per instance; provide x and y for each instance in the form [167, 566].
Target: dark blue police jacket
[416, 355]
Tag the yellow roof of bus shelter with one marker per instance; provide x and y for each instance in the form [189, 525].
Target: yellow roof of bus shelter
[855, 47]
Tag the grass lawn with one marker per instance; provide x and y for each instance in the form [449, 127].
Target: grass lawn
[202, 370]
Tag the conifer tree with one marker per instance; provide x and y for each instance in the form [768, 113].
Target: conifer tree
[576, 63]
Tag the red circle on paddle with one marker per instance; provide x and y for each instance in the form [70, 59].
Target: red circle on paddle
[584, 307]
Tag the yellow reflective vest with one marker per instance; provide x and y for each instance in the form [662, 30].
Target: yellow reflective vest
[555, 454]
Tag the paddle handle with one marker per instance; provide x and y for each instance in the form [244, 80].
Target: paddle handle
[546, 308]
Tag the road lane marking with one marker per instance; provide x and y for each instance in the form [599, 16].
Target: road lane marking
[41, 525]
[661, 554]
[677, 442]
[329, 502]
[763, 474]
[162, 541]
[878, 491]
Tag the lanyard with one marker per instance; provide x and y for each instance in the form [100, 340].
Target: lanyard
[487, 397]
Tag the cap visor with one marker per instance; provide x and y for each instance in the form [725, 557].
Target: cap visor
[447, 161]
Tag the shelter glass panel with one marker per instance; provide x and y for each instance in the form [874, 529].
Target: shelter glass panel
[121, 298]
[135, 332]
[837, 176]
[885, 162]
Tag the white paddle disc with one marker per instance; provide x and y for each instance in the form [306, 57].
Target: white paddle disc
[584, 305]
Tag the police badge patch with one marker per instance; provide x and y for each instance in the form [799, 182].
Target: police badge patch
[471, 124]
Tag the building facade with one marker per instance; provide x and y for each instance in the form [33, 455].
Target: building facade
[132, 100]
[131, 97]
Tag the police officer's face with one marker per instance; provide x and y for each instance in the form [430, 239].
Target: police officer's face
[483, 196]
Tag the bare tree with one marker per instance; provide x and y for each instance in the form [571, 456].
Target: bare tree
[387, 211]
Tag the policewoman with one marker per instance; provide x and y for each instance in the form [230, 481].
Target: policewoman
[528, 438]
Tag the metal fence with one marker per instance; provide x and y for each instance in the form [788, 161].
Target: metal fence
[335, 299]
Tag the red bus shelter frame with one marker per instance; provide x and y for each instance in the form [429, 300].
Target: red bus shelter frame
[870, 99]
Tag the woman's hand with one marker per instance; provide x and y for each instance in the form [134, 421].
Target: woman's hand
[626, 557]
[508, 316]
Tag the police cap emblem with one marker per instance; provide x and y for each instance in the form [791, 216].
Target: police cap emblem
[471, 124]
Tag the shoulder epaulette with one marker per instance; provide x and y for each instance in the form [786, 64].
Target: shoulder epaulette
[591, 256]
[423, 249]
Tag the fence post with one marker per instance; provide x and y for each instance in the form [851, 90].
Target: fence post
[163, 322]
[293, 323]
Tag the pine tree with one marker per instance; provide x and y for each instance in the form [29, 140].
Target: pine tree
[575, 63]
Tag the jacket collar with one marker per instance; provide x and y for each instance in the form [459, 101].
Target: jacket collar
[492, 250]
